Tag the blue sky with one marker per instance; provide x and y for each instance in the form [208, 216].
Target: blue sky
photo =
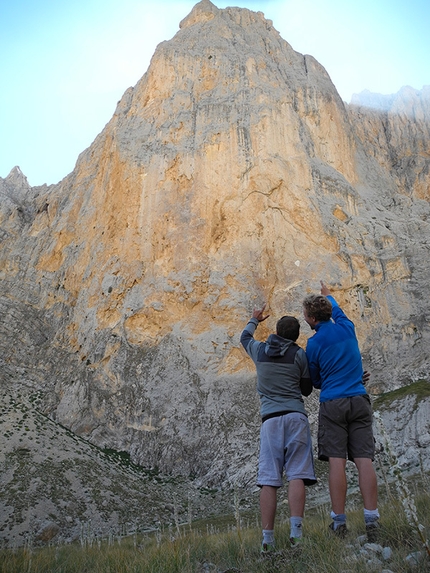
[65, 65]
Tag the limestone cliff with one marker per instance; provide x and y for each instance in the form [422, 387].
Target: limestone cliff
[231, 174]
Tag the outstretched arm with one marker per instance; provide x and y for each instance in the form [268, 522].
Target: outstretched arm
[247, 336]
[338, 314]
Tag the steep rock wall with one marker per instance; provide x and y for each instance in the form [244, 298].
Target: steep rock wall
[231, 174]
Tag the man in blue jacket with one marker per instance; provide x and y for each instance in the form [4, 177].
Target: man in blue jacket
[285, 438]
[345, 416]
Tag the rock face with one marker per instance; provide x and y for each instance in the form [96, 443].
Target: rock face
[407, 423]
[57, 486]
[231, 174]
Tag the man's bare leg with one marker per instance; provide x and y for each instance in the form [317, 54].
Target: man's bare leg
[337, 484]
[367, 482]
[296, 497]
[268, 500]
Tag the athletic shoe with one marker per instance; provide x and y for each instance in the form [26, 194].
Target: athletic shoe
[295, 541]
[267, 548]
[341, 530]
[373, 530]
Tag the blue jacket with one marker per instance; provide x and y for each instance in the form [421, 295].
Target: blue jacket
[334, 357]
[282, 372]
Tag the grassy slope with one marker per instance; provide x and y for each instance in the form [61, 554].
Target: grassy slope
[55, 484]
[53, 479]
[236, 549]
[419, 389]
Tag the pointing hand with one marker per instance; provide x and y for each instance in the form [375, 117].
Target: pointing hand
[258, 313]
[324, 290]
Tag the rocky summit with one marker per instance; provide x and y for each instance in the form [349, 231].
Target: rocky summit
[232, 174]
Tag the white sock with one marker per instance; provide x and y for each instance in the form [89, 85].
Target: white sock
[371, 515]
[268, 536]
[338, 519]
[296, 527]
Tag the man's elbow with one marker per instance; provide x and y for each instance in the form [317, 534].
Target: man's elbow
[306, 386]
[245, 339]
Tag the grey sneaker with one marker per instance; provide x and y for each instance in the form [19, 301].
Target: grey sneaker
[267, 548]
[373, 530]
[341, 530]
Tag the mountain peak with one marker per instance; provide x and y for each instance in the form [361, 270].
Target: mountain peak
[202, 12]
[17, 178]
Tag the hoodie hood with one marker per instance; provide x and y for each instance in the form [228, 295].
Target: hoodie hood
[276, 345]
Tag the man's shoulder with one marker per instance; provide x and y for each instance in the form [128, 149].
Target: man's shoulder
[312, 341]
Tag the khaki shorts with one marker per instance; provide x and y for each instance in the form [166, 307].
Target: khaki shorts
[345, 429]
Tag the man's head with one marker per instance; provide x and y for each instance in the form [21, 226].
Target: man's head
[288, 327]
[316, 308]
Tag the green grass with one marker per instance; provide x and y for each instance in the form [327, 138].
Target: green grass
[419, 389]
[236, 550]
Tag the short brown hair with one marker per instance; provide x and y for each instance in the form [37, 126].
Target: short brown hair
[288, 327]
[318, 306]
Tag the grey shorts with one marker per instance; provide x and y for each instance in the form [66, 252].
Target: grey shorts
[345, 429]
[286, 444]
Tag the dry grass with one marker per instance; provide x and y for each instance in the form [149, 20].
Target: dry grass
[200, 549]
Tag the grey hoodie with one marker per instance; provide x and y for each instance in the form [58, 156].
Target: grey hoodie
[282, 372]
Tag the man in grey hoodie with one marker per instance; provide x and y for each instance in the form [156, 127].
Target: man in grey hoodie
[285, 438]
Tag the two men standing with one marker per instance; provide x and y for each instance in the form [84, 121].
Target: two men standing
[345, 417]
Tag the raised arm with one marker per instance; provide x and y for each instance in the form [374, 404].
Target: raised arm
[247, 335]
